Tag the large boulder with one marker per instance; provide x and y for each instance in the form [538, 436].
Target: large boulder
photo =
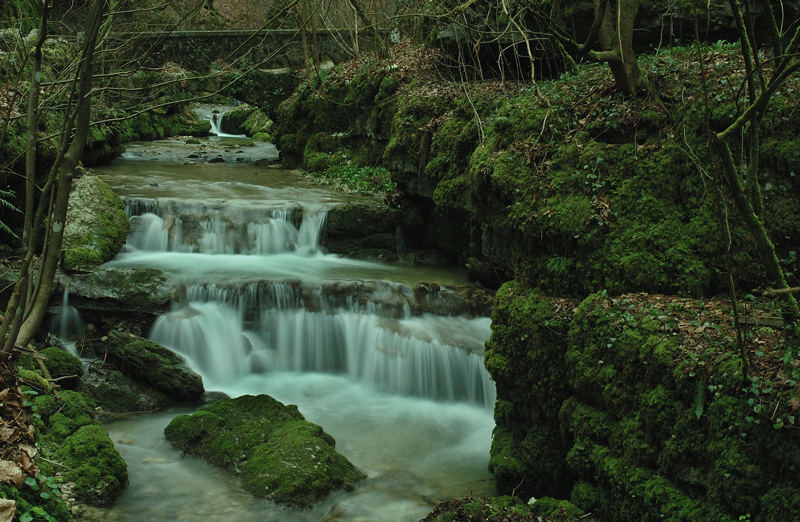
[96, 226]
[281, 456]
[152, 364]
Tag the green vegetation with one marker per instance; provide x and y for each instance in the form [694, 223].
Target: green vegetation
[281, 456]
[639, 404]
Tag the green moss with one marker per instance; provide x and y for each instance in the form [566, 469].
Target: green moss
[93, 465]
[292, 467]
[555, 509]
[282, 457]
[61, 364]
[38, 501]
[153, 364]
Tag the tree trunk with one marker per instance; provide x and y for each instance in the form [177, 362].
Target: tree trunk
[52, 251]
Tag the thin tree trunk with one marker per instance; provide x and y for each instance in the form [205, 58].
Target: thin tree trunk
[66, 170]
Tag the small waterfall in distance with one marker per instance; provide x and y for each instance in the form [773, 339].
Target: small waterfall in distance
[67, 323]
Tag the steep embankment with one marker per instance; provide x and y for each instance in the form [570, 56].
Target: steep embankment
[633, 407]
[575, 189]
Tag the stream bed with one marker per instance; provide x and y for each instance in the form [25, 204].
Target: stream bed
[266, 310]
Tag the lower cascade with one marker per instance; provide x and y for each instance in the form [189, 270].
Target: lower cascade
[388, 363]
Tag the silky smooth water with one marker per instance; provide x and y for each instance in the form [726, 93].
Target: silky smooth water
[405, 396]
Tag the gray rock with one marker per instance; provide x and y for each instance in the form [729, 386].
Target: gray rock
[140, 290]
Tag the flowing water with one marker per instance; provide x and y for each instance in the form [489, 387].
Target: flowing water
[394, 376]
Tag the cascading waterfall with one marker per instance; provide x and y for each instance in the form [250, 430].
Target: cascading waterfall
[390, 364]
[166, 227]
[392, 355]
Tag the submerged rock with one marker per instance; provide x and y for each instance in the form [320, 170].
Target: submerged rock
[281, 456]
[96, 226]
[152, 364]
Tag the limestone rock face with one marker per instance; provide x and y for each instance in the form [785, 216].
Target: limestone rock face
[96, 226]
[281, 456]
[152, 364]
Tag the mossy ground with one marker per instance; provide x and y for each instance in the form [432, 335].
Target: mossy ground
[281, 456]
[75, 456]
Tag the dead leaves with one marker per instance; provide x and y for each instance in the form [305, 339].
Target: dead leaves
[17, 445]
[8, 509]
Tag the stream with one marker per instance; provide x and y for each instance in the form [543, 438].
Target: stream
[262, 308]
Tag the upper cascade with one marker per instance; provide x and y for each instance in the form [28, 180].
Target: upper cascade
[217, 228]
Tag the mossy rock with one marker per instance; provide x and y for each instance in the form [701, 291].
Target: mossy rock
[93, 464]
[96, 227]
[282, 457]
[153, 364]
[63, 366]
[233, 121]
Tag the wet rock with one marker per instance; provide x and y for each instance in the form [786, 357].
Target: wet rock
[96, 225]
[281, 456]
[217, 159]
[152, 364]
[119, 290]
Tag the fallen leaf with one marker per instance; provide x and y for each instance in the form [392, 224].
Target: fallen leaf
[10, 473]
[8, 509]
[794, 402]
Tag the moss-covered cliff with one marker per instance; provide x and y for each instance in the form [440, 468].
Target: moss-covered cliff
[637, 408]
[575, 188]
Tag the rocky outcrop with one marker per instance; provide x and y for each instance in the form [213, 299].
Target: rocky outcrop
[359, 219]
[281, 456]
[96, 226]
[121, 290]
[151, 364]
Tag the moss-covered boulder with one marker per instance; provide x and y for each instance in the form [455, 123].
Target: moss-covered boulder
[78, 452]
[281, 456]
[233, 120]
[360, 218]
[96, 226]
[152, 364]
[93, 465]
[63, 366]
[114, 392]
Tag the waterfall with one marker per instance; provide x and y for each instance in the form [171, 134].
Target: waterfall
[415, 356]
[166, 226]
[67, 323]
